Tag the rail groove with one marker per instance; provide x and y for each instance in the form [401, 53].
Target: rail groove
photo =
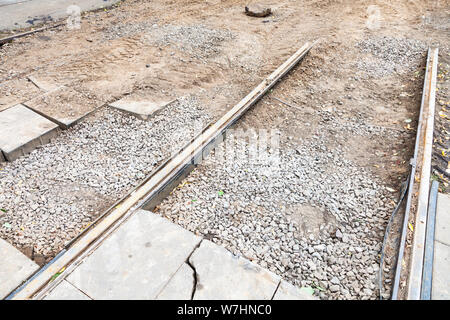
[421, 160]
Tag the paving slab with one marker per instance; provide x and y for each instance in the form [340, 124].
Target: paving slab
[442, 228]
[22, 130]
[64, 106]
[66, 291]
[221, 275]
[44, 83]
[136, 261]
[440, 288]
[180, 286]
[141, 109]
[287, 291]
[15, 268]
[16, 91]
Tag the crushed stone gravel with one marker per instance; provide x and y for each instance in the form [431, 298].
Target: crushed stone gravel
[310, 215]
[388, 55]
[49, 195]
[198, 40]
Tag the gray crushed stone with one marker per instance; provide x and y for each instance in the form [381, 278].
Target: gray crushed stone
[314, 218]
[49, 195]
[388, 55]
[197, 40]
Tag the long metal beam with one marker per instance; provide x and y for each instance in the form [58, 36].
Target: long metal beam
[157, 181]
[417, 253]
[421, 159]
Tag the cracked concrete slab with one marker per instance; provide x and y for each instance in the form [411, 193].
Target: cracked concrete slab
[287, 291]
[141, 109]
[22, 130]
[136, 261]
[15, 268]
[66, 291]
[180, 286]
[221, 275]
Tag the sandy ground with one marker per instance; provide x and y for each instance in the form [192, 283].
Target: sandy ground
[128, 50]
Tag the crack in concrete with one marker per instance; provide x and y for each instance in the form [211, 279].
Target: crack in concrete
[276, 289]
[191, 265]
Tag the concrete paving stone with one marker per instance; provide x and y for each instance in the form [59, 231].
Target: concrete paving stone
[16, 91]
[64, 106]
[180, 286]
[15, 268]
[287, 291]
[141, 109]
[22, 130]
[46, 84]
[221, 275]
[136, 261]
[440, 287]
[442, 229]
[66, 291]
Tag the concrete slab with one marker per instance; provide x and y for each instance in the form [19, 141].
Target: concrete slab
[2, 157]
[21, 13]
[180, 286]
[440, 288]
[22, 130]
[442, 229]
[16, 91]
[66, 291]
[64, 106]
[44, 84]
[136, 261]
[287, 291]
[221, 275]
[15, 268]
[141, 109]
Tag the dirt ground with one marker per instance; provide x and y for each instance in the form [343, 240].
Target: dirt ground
[124, 50]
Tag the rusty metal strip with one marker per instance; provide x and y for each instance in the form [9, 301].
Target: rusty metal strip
[151, 186]
[424, 140]
[23, 34]
[417, 252]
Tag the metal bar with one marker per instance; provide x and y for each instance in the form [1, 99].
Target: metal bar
[161, 177]
[23, 34]
[429, 244]
[417, 251]
[413, 162]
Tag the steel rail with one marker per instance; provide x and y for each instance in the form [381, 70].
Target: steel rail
[417, 252]
[423, 140]
[163, 177]
[24, 34]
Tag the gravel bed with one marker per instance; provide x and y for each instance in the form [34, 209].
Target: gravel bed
[48, 196]
[313, 217]
[198, 40]
[389, 55]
